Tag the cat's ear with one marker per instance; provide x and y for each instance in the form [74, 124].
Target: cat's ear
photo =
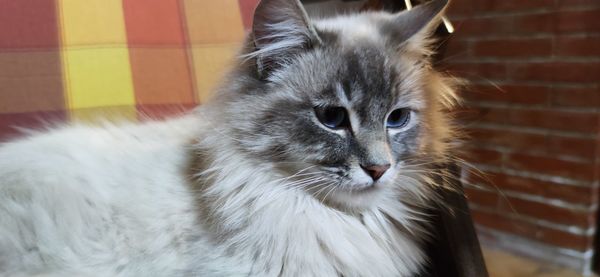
[416, 25]
[281, 30]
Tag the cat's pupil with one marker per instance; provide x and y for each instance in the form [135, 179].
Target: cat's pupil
[333, 117]
[398, 118]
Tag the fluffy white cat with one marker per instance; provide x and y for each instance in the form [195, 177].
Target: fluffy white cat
[311, 161]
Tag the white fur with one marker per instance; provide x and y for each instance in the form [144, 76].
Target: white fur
[89, 201]
[118, 201]
[355, 28]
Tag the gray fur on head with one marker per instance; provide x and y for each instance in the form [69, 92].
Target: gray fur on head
[275, 176]
[281, 29]
[369, 64]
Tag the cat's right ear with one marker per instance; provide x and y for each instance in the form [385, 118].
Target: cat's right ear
[416, 25]
[281, 30]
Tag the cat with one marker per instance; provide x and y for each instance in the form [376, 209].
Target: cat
[311, 160]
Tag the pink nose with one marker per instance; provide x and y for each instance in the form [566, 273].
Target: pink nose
[376, 171]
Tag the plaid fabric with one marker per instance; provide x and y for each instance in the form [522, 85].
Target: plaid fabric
[69, 59]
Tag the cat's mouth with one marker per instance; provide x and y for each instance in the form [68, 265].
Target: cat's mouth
[365, 188]
[357, 196]
[360, 188]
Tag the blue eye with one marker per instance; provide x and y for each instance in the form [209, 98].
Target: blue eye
[398, 118]
[332, 117]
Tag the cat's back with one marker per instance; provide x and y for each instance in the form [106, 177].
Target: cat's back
[109, 152]
[106, 195]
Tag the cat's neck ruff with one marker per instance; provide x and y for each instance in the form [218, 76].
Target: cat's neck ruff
[263, 216]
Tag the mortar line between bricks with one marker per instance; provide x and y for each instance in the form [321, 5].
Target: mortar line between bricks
[575, 230]
[510, 150]
[537, 176]
[528, 36]
[509, 36]
[536, 198]
[542, 107]
[525, 59]
[560, 84]
[531, 130]
[517, 13]
[578, 254]
[557, 84]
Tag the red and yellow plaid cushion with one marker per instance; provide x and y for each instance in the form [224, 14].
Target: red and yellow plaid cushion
[70, 59]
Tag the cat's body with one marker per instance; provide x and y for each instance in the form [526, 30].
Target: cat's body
[92, 213]
[74, 201]
[250, 185]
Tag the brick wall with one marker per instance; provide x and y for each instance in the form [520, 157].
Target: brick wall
[532, 111]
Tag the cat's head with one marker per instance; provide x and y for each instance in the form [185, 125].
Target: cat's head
[348, 104]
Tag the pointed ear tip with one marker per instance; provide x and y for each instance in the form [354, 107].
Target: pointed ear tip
[265, 8]
[260, 14]
[265, 3]
[261, 9]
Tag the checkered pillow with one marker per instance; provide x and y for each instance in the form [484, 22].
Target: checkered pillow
[73, 59]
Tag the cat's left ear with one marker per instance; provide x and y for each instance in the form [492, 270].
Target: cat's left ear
[413, 27]
[281, 29]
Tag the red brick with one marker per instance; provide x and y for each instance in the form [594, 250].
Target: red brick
[506, 25]
[578, 21]
[516, 141]
[483, 156]
[557, 120]
[563, 239]
[504, 5]
[518, 94]
[464, 7]
[481, 197]
[466, 115]
[529, 230]
[536, 23]
[509, 183]
[547, 119]
[521, 207]
[460, 7]
[550, 23]
[568, 38]
[577, 147]
[543, 145]
[580, 72]
[551, 166]
[503, 223]
[479, 71]
[457, 49]
[494, 115]
[513, 48]
[572, 3]
[482, 26]
[576, 97]
[586, 46]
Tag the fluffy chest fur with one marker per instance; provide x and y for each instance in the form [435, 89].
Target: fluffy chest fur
[261, 218]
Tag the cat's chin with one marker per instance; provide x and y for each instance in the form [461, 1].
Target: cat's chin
[357, 199]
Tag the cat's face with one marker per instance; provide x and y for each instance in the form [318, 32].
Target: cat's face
[344, 115]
